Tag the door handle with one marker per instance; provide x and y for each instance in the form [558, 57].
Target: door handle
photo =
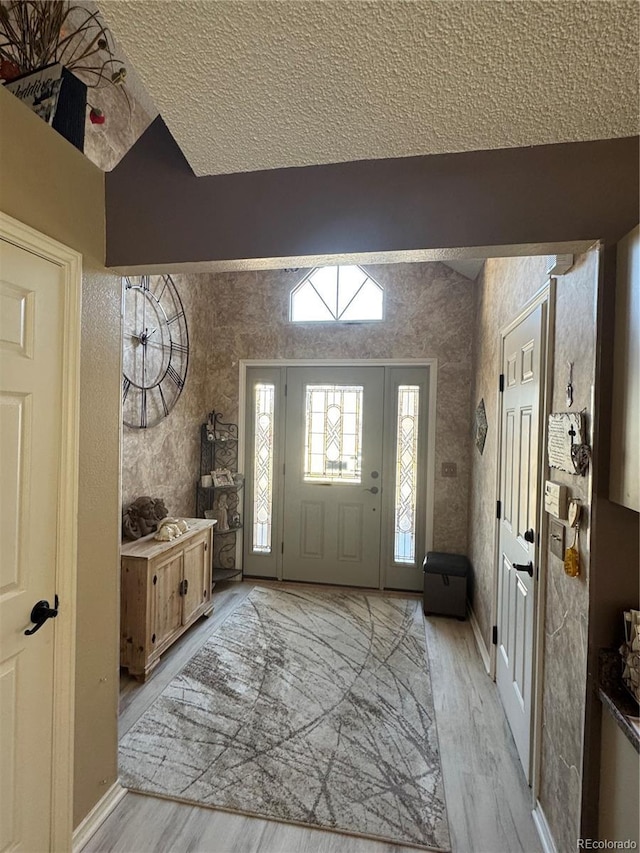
[528, 568]
[40, 612]
[374, 490]
[183, 588]
[529, 535]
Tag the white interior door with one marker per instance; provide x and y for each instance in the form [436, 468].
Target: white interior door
[35, 790]
[333, 479]
[518, 552]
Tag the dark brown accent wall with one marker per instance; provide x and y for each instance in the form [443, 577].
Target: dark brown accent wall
[158, 211]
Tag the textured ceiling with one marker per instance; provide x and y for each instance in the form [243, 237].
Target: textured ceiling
[244, 86]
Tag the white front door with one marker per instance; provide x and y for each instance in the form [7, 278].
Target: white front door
[35, 791]
[333, 459]
[518, 553]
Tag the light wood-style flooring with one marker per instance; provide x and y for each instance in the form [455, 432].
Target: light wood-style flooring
[488, 801]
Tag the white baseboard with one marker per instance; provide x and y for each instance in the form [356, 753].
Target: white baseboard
[98, 814]
[544, 831]
[477, 633]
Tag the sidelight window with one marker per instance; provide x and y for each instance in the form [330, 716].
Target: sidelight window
[406, 485]
[263, 453]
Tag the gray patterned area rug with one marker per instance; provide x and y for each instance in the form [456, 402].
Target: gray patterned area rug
[311, 707]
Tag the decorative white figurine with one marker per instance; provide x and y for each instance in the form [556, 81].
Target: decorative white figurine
[163, 534]
[222, 515]
[171, 528]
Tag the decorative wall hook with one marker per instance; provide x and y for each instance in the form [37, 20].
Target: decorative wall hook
[570, 385]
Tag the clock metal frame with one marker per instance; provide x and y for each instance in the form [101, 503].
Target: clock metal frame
[155, 349]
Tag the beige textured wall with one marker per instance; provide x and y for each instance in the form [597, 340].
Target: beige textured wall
[47, 184]
[164, 461]
[505, 287]
[50, 186]
[233, 316]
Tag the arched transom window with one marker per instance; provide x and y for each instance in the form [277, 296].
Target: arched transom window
[342, 294]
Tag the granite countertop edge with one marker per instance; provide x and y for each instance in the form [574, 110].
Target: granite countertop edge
[614, 696]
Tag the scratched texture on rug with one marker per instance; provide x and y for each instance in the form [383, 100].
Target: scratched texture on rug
[306, 706]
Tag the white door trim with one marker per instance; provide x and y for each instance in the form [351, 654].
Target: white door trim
[545, 296]
[70, 263]
[430, 363]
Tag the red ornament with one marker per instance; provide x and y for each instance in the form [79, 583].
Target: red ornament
[97, 116]
[9, 70]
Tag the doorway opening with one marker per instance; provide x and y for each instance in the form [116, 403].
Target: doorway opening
[521, 523]
[339, 462]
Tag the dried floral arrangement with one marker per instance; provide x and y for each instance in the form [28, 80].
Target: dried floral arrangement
[37, 33]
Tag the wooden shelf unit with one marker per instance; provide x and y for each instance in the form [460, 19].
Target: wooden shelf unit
[165, 587]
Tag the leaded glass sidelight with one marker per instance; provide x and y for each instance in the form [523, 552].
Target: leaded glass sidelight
[333, 433]
[263, 467]
[406, 486]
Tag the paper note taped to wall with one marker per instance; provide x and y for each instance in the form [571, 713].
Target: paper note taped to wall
[565, 430]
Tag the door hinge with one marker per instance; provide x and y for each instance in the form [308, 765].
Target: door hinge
[285, 390]
[494, 635]
[284, 466]
[282, 547]
[498, 510]
[501, 383]
[206, 546]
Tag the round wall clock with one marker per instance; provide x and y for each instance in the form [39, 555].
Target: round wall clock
[155, 353]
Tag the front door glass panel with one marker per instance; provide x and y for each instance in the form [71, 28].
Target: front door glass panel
[333, 433]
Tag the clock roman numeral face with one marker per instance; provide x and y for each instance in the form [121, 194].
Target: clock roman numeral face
[155, 350]
[174, 377]
[143, 408]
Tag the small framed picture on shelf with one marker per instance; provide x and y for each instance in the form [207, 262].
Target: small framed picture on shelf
[222, 477]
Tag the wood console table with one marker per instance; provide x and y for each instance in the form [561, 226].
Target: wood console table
[165, 587]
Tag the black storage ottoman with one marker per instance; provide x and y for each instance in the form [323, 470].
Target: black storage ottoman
[445, 584]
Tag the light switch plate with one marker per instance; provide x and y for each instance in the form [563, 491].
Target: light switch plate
[449, 469]
[556, 538]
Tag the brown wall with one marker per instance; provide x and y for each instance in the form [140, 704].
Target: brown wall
[159, 212]
[233, 316]
[50, 186]
[505, 287]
